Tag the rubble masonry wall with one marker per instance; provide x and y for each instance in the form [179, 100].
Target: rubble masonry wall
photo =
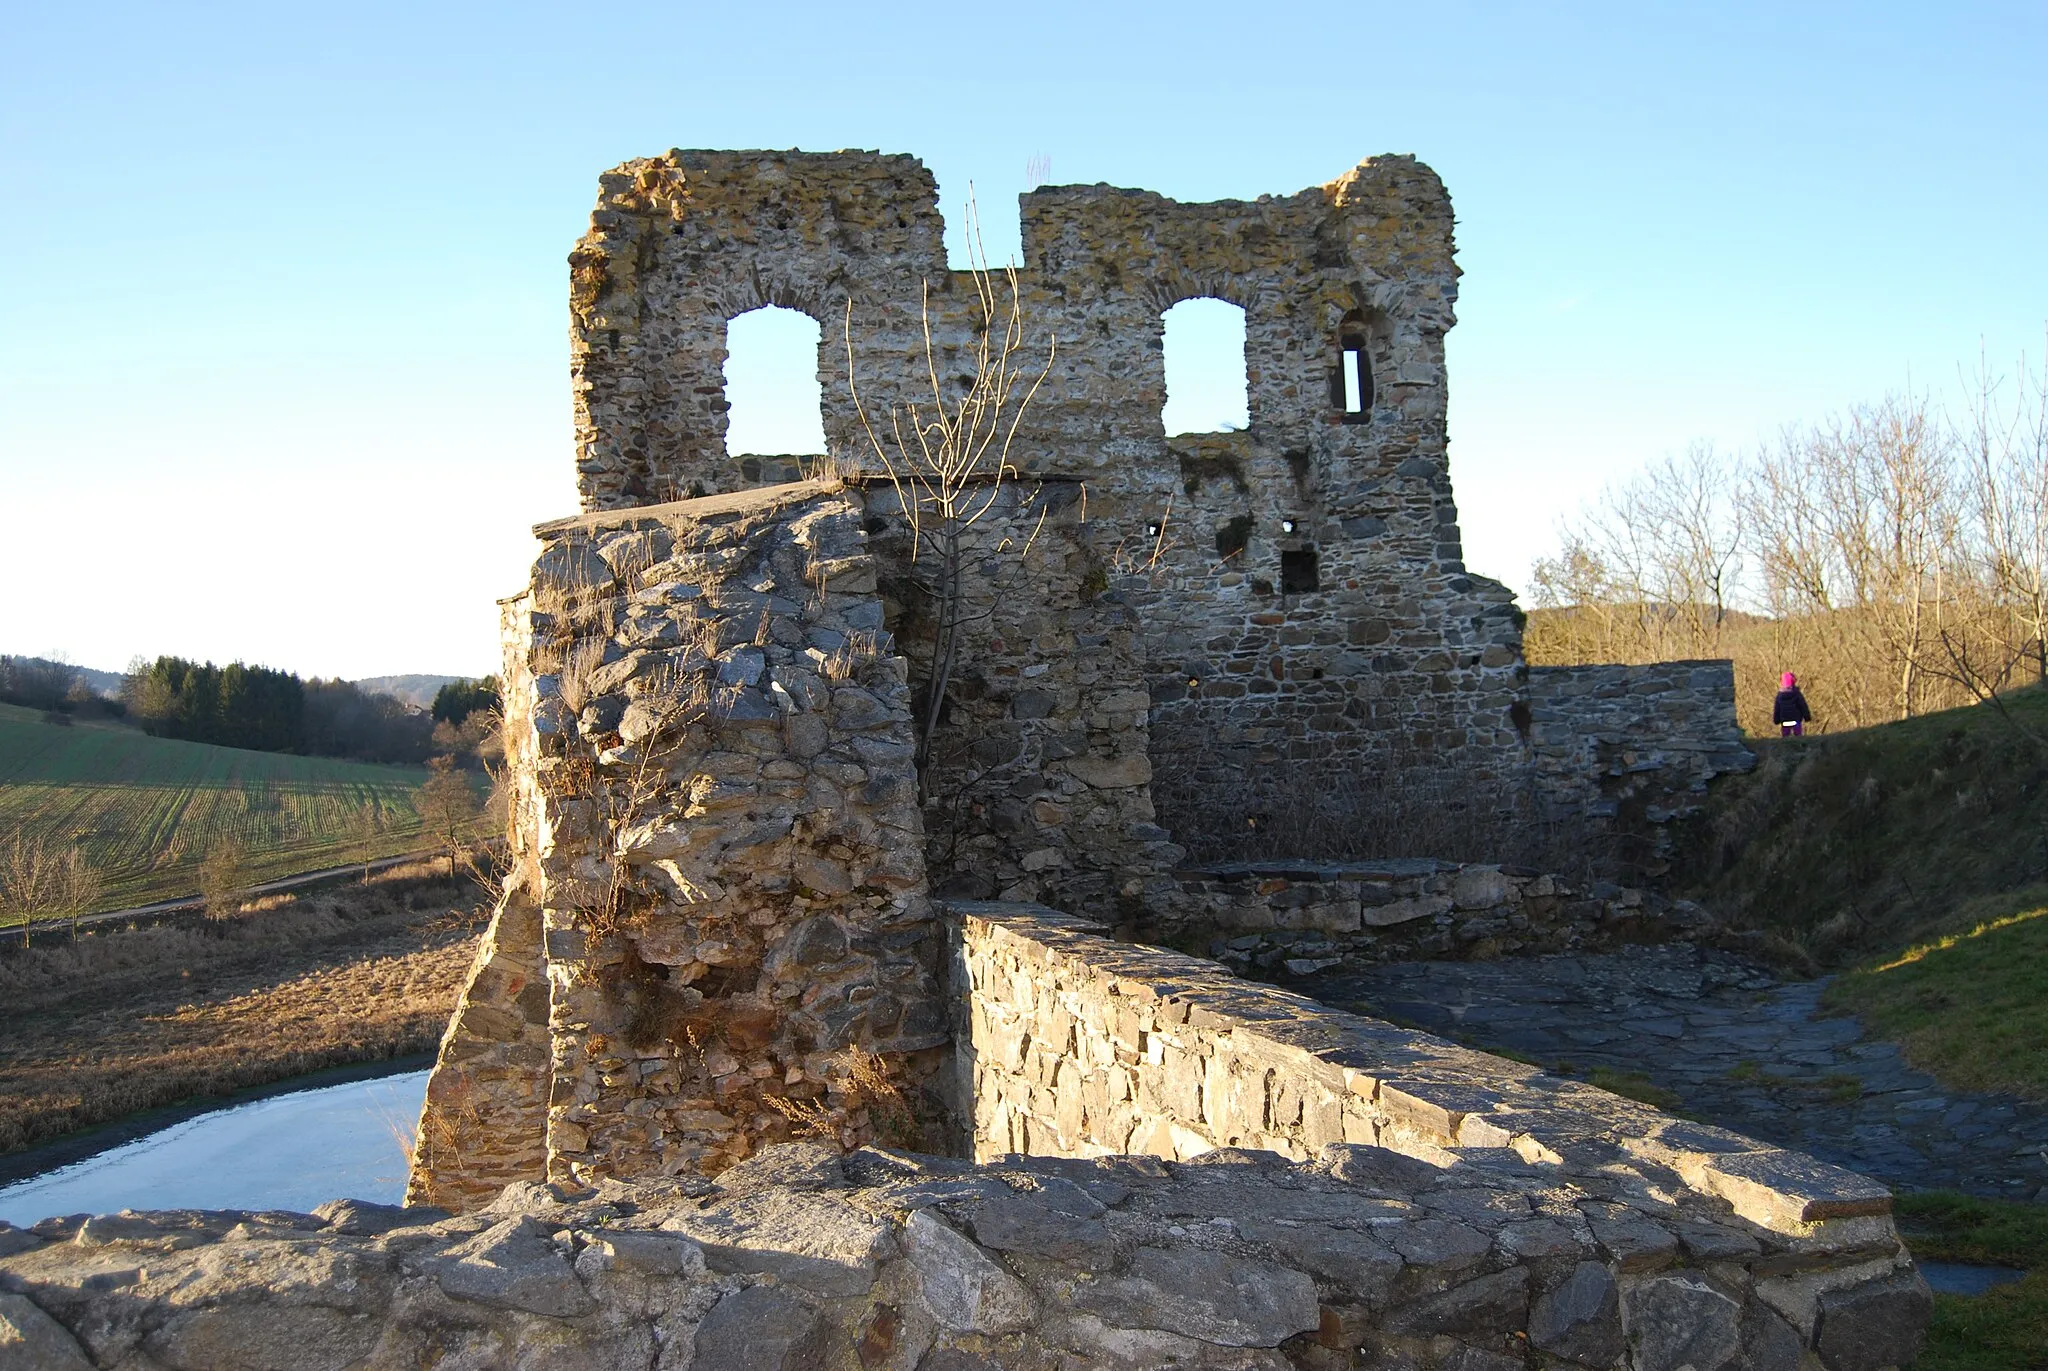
[1398, 662]
[1296, 918]
[1628, 749]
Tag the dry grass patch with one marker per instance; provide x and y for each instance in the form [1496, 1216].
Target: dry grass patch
[123, 1022]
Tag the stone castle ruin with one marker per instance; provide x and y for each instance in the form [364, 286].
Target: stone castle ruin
[781, 1051]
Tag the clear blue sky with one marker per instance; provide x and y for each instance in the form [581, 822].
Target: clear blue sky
[283, 360]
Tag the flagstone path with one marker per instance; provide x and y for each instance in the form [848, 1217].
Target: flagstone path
[1733, 1046]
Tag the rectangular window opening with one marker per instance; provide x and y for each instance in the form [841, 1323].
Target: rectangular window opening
[1298, 571]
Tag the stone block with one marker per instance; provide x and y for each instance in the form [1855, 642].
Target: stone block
[761, 1328]
[1875, 1324]
[964, 1288]
[800, 1238]
[1680, 1321]
[1242, 1304]
[1579, 1318]
[31, 1340]
[514, 1265]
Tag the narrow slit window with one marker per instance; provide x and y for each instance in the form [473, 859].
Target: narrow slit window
[774, 402]
[1351, 387]
[1357, 380]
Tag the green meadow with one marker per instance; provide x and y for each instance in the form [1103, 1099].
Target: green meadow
[146, 810]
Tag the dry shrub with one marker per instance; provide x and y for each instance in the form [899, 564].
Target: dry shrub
[861, 1090]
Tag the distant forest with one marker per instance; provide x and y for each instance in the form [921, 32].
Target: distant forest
[264, 709]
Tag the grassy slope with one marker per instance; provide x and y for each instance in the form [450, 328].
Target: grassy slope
[2005, 1329]
[147, 809]
[1859, 844]
[1972, 1005]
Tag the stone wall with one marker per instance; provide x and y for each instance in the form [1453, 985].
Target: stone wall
[1629, 749]
[727, 855]
[1298, 918]
[717, 828]
[1039, 780]
[1078, 1046]
[483, 1124]
[803, 1260]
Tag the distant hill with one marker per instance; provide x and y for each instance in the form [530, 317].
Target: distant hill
[100, 682]
[416, 690]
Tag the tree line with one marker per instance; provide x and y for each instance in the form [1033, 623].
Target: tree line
[276, 711]
[1894, 556]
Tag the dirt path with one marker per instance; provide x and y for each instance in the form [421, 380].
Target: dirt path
[46, 928]
[127, 1021]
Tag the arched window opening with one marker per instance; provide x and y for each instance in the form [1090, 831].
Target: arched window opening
[1206, 381]
[1351, 385]
[773, 400]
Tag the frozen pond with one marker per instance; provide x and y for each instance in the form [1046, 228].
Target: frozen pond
[284, 1152]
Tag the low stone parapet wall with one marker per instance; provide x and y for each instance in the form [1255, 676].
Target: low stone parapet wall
[802, 1260]
[1079, 1046]
[1297, 918]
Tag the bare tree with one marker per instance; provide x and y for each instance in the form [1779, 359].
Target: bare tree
[79, 887]
[949, 460]
[1652, 566]
[447, 805]
[1993, 632]
[31, 879]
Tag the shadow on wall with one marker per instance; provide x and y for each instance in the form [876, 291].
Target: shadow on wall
[1374, 810]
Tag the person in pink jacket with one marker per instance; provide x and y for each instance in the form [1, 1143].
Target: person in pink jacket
[1789, 711]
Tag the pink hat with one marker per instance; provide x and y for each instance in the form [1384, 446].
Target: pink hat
[1788, 680]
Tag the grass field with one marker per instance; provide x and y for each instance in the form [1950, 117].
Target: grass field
[146, 810]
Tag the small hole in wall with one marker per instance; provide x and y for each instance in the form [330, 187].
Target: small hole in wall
[1232, 538]
[1298, 571]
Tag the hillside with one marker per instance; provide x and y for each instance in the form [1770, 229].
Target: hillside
[1863, 842]
[146, 810]
[415, 690]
